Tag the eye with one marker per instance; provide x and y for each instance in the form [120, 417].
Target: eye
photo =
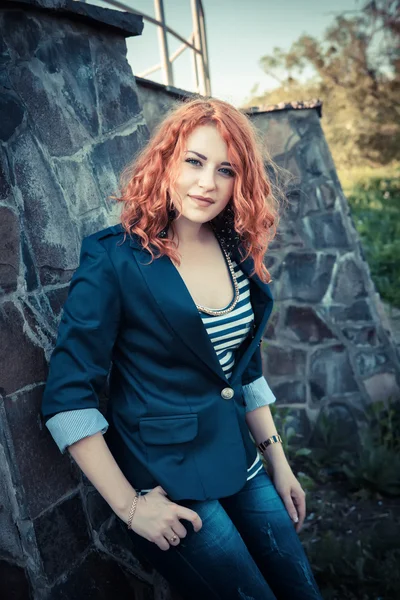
[229, 172]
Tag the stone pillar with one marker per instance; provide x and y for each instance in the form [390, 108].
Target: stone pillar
[327, 344]
[70, 120]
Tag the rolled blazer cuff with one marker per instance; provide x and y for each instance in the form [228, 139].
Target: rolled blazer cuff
[71, 426]
[257, 393]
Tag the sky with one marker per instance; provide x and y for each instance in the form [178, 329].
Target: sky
[239, 33]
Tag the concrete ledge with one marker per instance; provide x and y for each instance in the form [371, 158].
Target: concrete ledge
[125, 23]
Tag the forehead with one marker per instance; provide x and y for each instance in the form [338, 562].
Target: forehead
[207, 138]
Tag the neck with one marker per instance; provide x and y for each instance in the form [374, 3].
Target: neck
[189, 233]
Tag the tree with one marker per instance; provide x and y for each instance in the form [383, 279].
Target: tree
[355, 70]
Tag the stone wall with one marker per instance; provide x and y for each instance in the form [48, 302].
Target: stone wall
[71, 116]
[70, 120]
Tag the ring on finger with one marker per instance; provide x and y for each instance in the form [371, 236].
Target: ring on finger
[173, 539]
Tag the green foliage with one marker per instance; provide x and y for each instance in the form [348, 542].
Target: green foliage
[356, 563]
[375, 207]
[371, 462]
[376, 464]
[356, 74]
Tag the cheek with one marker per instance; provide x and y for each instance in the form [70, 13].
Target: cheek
[229, 187]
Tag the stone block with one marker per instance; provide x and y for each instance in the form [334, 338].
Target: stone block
[24, 361]
[285, 361]
[45, 473]
[368, 362]
[51, 109]
[290, 392]
[314, 155]
[328, 194]
[9, 250]
[5, 186]
[97, 508]
[349, 282]
[362, 336]
[302, 121]
[14, 582]
[331, 372]
[94, 221]
[116, 539]
[279, 135]
[12, 107]
[311, 199]
[57, 300]
[117, 96]
[109, 158]
[30, 273]
[302, 324]
[295, 198]
[358, 311]
[290, 235]
[48, 225]
[306, 276]
[325, 230]
[272, 325]
[99, 578]
[273, 264]
[10, 542]
[83, 196]
[62, 538]
[382, 386]
[21, 33]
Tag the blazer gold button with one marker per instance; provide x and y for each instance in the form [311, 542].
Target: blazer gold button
[227, 393]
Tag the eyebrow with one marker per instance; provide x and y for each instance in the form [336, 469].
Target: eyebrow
[205, 158]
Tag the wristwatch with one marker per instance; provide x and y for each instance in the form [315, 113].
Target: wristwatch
[271, 440]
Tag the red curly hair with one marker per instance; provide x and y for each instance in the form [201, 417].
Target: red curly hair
[145, 182]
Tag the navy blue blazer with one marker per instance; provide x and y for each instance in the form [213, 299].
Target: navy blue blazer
[174, 419]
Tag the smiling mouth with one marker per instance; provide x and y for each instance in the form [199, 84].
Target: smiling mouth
[202, 201]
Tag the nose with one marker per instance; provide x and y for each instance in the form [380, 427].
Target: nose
[207, 179]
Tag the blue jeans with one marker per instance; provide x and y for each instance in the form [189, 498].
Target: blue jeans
[247, 549]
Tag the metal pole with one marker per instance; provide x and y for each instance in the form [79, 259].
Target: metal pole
[205, 50]
[198, 44]
[168, 78]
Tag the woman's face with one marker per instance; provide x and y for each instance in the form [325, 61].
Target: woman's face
[204, 171]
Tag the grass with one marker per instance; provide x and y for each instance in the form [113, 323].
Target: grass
[374, 199]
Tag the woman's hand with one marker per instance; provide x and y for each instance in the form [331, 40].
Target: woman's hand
[291, 492]
[157, 519]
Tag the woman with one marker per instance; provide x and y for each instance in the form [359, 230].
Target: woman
[175, 297]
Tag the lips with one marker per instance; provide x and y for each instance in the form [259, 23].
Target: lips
[203, 201]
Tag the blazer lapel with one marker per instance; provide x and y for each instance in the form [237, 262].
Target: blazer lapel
[176, 303]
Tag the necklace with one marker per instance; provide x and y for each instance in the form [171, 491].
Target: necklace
[224, 311]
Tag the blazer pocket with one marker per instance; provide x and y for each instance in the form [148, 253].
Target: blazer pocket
[168, 430]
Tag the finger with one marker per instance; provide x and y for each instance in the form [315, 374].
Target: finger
[290, 507]
[179, 529]
[299, 499]
[161, 542]
[190, 515]
[172, 537]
